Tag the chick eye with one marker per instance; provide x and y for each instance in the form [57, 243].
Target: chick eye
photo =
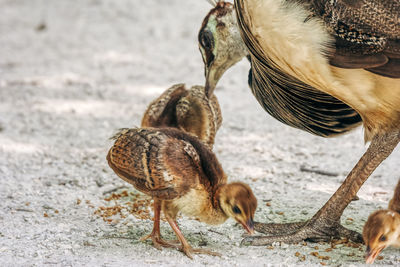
[382, 238]
[236, 210]
[206, 39]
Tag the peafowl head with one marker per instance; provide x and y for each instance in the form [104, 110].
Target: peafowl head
[220, 43]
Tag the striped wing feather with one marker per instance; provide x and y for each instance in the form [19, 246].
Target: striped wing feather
[199, 115]
[367, 33]
[153, 162]
[162, 111]
[164, 162]
[290, 100]
[211, 173]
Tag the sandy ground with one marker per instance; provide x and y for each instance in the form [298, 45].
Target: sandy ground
[74, 71]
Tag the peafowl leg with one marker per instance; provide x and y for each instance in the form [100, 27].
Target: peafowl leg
[325, 224]
[155, 235]
[186, 248]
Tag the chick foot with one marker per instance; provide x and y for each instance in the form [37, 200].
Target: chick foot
[188, 250]
[155, 235]
[185, 247]
[312, 230]
[159, 242]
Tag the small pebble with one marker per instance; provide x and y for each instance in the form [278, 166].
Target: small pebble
[314, 253]
[284, 245]
[41, 27]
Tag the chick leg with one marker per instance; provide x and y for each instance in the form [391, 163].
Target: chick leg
[155, 235]
[325, 224]
[186, 248]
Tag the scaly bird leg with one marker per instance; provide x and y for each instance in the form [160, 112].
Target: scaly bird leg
[325, 224]
[155, 235]
[186, 248]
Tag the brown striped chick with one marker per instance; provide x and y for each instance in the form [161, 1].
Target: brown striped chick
[189, 110]
[382, 228]
[182, 175]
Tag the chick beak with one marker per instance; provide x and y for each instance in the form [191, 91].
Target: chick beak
[211, 79]
[249, 226]
[371, 254]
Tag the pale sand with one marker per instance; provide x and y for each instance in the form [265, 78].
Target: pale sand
[93, 69]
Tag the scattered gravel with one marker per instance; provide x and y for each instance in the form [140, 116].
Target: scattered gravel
[73, 72]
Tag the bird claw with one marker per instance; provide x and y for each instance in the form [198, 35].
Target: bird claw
[189, 250]
[247, 241]
[158, 242]
[309, 231]
[269, 240]
[244, 235]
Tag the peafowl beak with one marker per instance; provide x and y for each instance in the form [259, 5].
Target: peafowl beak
[249, 226]
[371, 254]
[220, 43]
[213, 74]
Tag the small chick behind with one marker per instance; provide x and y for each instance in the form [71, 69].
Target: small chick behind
[382, 228]
[181, 174]
[189, 110]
